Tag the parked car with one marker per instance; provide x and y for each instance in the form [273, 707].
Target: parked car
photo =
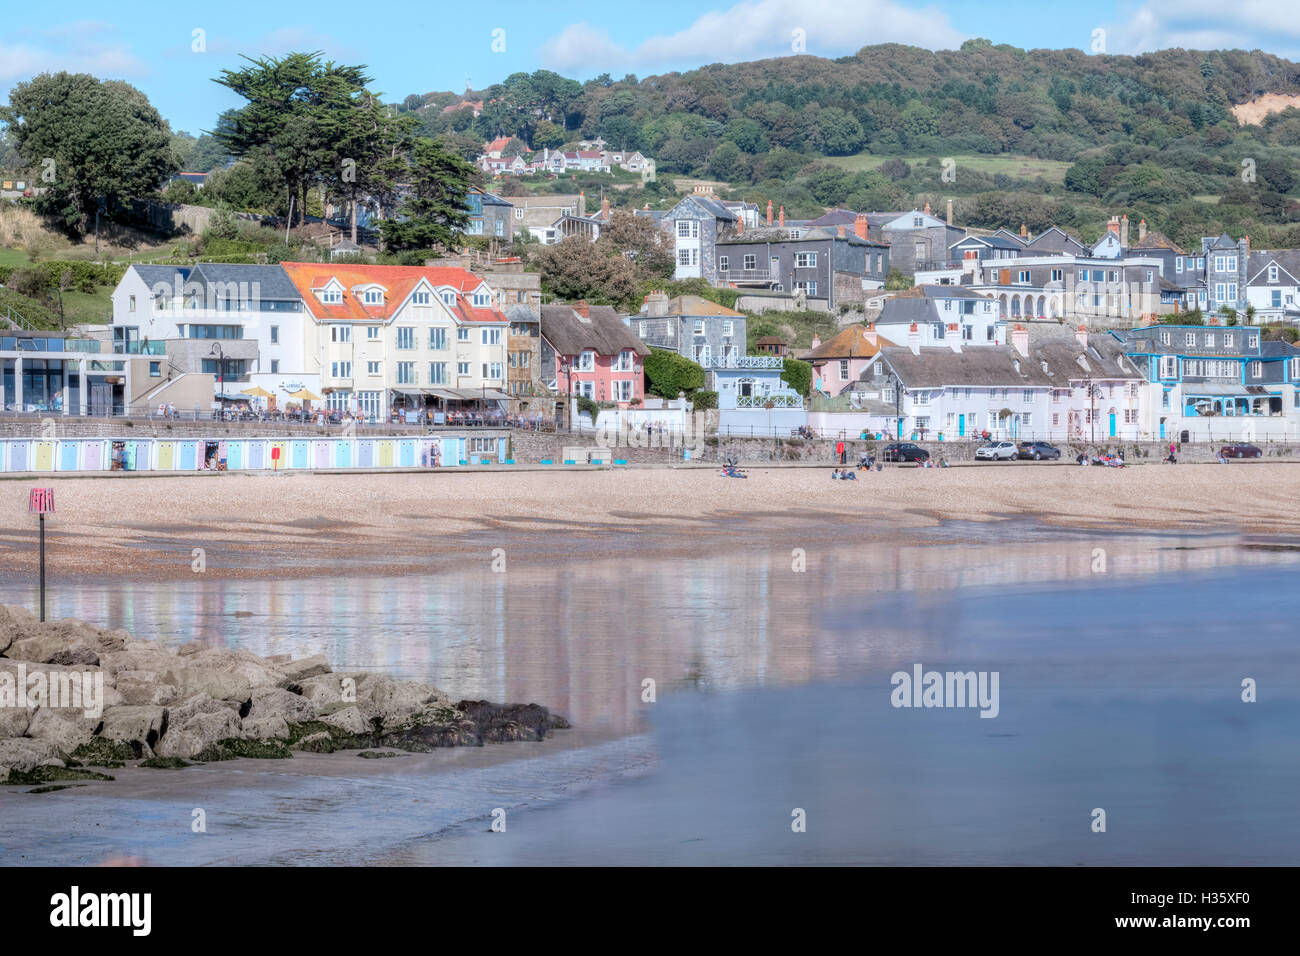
[905, 451]
[997, 451]
[1241, 451]
[1038, 450]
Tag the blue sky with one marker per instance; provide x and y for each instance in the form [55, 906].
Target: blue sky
[419, 47]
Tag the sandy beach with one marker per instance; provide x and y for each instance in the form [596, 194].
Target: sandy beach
[149, 527]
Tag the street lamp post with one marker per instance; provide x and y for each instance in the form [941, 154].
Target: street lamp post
[221, 369]
[567, 367]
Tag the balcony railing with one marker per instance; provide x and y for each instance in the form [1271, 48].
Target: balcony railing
[746, 361]
[775, 401]
[745, 275]
[140, 348]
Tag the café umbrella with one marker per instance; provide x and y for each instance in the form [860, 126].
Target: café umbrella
[305, 395]
[256, 391]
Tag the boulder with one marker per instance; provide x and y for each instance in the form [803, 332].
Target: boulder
[182, 711]
[153, 659]
[214, 682]
[143, 687]
[199, 731]
[350, 720]
[300, 670]
[325, 689]
[138, 725]
[393, 701]
[241, 663]
[26, 755]
[56, 645]
[15, 720]
[319, 742]
[266, 728]
[273, 702]
[66, 729]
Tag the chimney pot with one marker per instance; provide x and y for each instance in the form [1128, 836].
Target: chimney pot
[860, 226]
[840, 231]
[782, 220]
[1142, 230]
[769, 212]
[927, 207]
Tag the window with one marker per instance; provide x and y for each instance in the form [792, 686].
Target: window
[844, 369]
[437, 373]
[1276, 299]
[751, 262]
[462, 334]
[131, 304]
[887, 394]
[1164, 399]
[1028, 395]
[475, 227]
[491, 336]
[1168, 366]
[805, 260]
[921, 398]
[340, 333]
[688, 257]
[1165, 338]
[420, 298]
[1256, 369]
[1189, 338]
[724, 263]
[482, 298]
[372, 368]
[519, 214]
[1058, 275]
[1252, 341]
[275, 366]
[688, 229]
[405, 337]
[1083, 275]
[727, 327]
[374, 297]
[492, 370]
[1022, 277]
[1295, 370]
[1150, 275]
[1026, 418]
[917, 222]
[1056, 418]
[405, 373]
[340, 369]
[1133, 390]
[808, 287]
[462, 368]
[155, 369]
[1232, 263]
[586, 362]
[372, 332]
[437, 339]
[625, 360]
[967, 332]
[990, 333]
[1219, 264]
[1209, 340]
[501, 227]
[275, 334]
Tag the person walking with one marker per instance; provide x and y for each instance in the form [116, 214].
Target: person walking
[839, 450]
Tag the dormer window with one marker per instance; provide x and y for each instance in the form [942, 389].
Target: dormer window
[331, 296]
[448, 297]
[482, 298]
[373, 297]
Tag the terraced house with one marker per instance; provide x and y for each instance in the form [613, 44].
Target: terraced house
[412, 338]
[1215, 383]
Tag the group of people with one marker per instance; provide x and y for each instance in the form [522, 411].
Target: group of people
[731, 470]
[1108, 460]
[845, 475]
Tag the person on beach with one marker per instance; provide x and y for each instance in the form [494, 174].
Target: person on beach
[849, 476]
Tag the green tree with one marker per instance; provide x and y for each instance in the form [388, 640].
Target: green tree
[437, 207]
[595, 271]
[797, 374]
[91, 143]
[669, 373]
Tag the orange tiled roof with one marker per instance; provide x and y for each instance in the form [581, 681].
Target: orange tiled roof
[398, 281]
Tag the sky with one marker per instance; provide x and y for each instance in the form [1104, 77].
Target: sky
[172, 53]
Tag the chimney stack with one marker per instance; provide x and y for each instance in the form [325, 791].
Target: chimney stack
[839, 230]
[950, 212]
[914, 339]
[740, 225]
[782, 219]
[769, 212]
[1024, 231]
[871, 335]
[604, 208]
[1142, 230]
[582, 308]
[1123, 231]
[860, 226]
[1113, 225]
[1247, 238]
[817, 340]
[1081, 336]
[1020, 339]
[582, 202]
[656, 304]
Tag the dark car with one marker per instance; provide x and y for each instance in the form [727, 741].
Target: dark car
[1038, 450]
[1240, 451]
[904, 451]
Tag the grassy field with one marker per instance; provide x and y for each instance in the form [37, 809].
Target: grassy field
[1019, 167]
[13, 257]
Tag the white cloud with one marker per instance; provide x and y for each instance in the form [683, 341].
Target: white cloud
[1270, 25]
[87, 46]
[755, 30]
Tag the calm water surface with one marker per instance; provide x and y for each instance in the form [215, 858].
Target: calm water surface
[1119, 689]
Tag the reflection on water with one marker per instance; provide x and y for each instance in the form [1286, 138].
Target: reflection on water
[1119, 689]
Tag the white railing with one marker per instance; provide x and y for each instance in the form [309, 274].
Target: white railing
[746, 275]
[763, 401]
[747, 361]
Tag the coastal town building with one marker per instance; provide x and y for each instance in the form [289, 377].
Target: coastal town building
[834, 263]
[1212, 383]
[588, 351]
[691, 326]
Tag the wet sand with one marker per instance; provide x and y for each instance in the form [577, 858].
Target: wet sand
[305, 524]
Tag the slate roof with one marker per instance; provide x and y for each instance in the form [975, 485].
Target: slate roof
[1287, 260]
[985, 366]
[1157, 240]
[1147, 341]
[917, 305]
[603, 331]
[273, 283]
[162, 275]
[807, 234]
